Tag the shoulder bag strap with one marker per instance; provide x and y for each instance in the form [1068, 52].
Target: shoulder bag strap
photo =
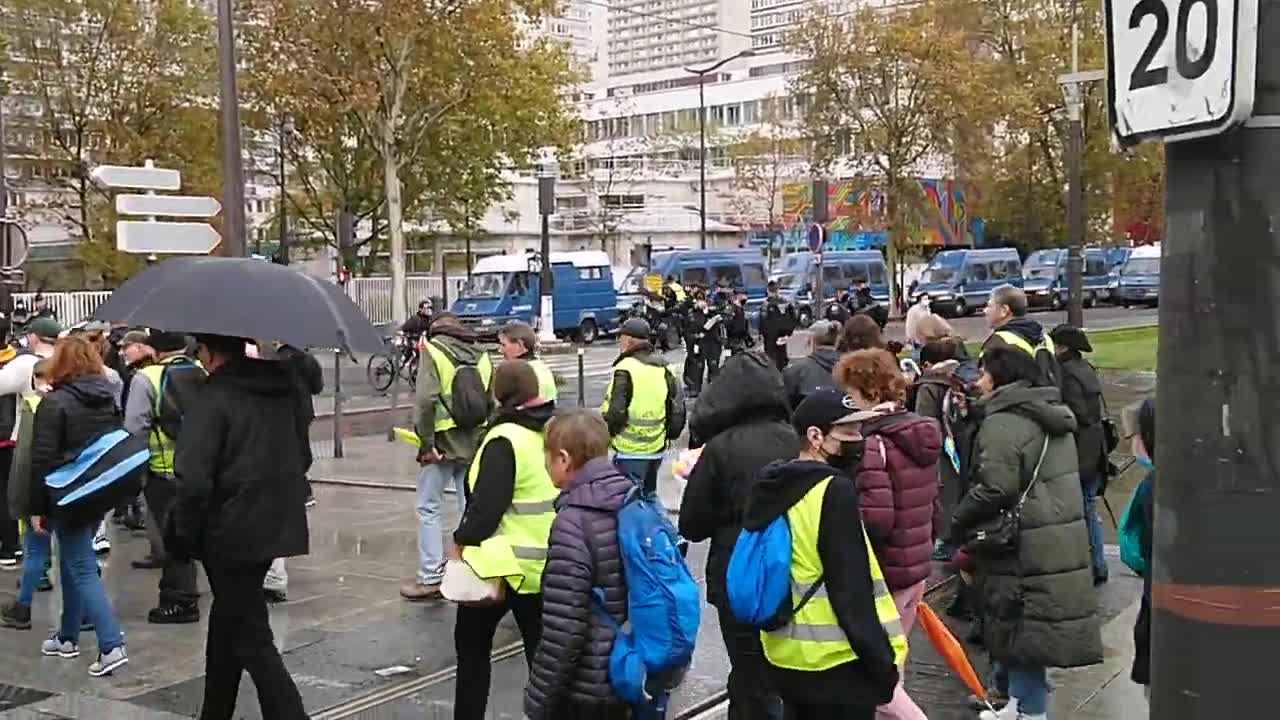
[1035, 474]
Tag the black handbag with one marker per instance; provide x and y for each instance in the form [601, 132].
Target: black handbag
[1000, 535]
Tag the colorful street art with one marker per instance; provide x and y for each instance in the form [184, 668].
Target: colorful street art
[857, 214]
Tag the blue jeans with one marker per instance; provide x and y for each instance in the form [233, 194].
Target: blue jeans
[36, 549]
[1090, 483]
[1030, 685]
[83, 597]
[642, 471]
[431, 483]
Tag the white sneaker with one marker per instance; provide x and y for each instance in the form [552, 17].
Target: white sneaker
[100, 542]
[53, 647]
[1008, 712]
[106, 663]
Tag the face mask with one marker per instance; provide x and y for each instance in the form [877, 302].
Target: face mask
[849, 456]
[1145, 463]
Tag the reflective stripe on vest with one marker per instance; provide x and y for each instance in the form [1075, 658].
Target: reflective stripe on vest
[646, 430]
[445, 371]
[517, 551]
[678, 290]
[1016, 340]
[546, 380]
[160, 444]
[813, 640]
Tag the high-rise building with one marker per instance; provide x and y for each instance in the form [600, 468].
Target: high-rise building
[647, 35]
[770, 20]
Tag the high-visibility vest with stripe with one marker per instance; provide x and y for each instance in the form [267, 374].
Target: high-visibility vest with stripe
[1016, 340]
[160, 444]
[813, 640]
[646, 430]
[677, 290]
[445, 371]
[546, 380]
[517, 551]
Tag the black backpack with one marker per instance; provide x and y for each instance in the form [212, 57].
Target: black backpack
[469, 402]
[178, 382]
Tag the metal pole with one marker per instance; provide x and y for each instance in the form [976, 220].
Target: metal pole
[582, 378]
[283, 251]
[337, 404]
[546, 207]
[4, 187]
[467, 226]
[395, 402]
[1075, 197]
[232, 169]
[1215, 624]
[702, 159]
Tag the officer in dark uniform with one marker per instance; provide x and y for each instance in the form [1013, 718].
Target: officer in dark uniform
[737, 328]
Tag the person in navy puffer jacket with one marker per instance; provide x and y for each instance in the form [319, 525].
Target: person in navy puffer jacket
[897, 486]
[569, 675]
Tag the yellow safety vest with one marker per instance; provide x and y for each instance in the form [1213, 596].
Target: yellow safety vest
[546, 380]
[160, 444]
[445, 371]
[1016, 340]
[646, 430]
[517, 552]
[678, 290]
[813, 640]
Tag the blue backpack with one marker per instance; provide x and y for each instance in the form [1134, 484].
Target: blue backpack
[103, 474]
[759, 577]
[663, 602]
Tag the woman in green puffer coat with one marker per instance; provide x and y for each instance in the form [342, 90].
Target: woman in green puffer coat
[1039, 600]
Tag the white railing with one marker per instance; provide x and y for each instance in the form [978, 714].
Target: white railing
[372, 295]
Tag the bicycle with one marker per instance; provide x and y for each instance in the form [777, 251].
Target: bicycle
[401, 359]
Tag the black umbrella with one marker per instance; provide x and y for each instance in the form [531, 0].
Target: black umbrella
[242, 297]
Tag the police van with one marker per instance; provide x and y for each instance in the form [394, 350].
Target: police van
[1044, 277]
[840, 269]
[506, 287]
[958, 282]
[1138, 282]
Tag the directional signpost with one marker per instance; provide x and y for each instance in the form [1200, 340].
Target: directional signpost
[150, 236]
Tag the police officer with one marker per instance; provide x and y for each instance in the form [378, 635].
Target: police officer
[841, 653]
[154, 411]
[777, 322]
[737, 328]
[516, 341]
[504, 532]
[642, 406]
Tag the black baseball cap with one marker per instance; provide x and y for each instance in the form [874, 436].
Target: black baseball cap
[826, 407]
[636, 328]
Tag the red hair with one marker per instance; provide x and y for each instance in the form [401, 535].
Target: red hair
[872, 372]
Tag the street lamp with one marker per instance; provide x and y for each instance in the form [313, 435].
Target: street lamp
[702, 135]
[547, 174]
[286, 129]
[1073, 88]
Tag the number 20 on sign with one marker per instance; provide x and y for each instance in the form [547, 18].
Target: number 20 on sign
[1180, 69]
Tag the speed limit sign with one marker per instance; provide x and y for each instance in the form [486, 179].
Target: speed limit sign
[1180, 69]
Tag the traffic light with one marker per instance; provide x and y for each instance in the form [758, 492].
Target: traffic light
[343, 275]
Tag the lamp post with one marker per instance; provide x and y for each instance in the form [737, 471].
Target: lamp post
[229, 118]
[286, 129]
[1073, 86]
[702, 136]
[547, 173]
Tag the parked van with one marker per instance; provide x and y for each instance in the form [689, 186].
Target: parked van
[958, 282]
[506, 287]
[741, 269]
[1044, 277]
[840, 269]
[1138, 282]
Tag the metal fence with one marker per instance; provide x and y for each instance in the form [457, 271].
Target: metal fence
[372, 295]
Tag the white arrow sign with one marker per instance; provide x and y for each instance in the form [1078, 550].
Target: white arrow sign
[193, 206]
[141, 178]
[165, 238]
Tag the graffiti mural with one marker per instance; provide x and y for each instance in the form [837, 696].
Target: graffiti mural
[857, 214]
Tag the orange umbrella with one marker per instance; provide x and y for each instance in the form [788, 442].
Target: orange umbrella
[952, 651]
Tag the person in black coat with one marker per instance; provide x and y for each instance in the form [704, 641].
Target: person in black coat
[569, 676]
[737, 328]
[743, 432]
[814, 371]
[1082, 392]
[420, 323]
[242, 491]
[777, 322]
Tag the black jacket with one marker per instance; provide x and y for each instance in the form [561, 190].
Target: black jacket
[496, 476]
[777, 319]
[743, 432]
[870, 679]
[837, 311]
[810, 373]
[737, 329]
[242, 488]
[615, 412]
[416, 326]
[1033, 332]
[1082, 392]
[66, 422]
[572, 661]
[308, 381]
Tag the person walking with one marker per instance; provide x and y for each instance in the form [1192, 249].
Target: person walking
[1082, 392]
[1038, 601]
[160, 397]
[897, 490]
[737, 328]
[838, 656]
[96, 334]
[36, 548]
[136, 353]
[80, 409]
[642, 406]
[1139, 421]
[507, 522]
[1006, 315]
[569, 675]
[777, 323]
[16, 365]
[447, 446]
[743, 432]
[241, 503]
[813, 371]
[517, 341]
